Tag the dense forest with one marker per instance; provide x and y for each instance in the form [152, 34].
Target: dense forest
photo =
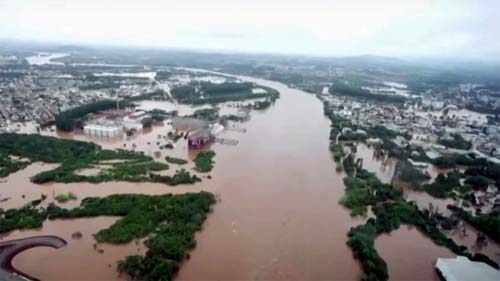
[207, 92]
[345, 90]
[65, 121]
[227, 88]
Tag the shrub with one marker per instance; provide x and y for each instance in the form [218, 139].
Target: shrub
[65, 197]
[204, 161]
[174, 160]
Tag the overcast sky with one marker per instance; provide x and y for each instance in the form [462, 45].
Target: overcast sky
[467, 28]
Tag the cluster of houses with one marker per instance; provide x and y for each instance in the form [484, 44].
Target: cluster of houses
[425, 125]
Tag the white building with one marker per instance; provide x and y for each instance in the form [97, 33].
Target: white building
[129, 125]
[103, 129]
[463, 269]
[437, 105]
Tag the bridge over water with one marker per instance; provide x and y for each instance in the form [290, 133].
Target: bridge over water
[9, 249]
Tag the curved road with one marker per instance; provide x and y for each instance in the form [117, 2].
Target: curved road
[9, 249]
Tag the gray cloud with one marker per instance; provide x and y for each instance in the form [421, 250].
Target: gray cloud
[317, 27]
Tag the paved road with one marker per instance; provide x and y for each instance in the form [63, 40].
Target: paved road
[9, 249]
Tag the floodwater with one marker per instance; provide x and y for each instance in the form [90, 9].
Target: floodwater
[45, 58]
[491, 249]
[182, 109]
[423, 199]
[150, 75]
[384, 169]
[19, 190]
[80, 259]
[277, 215]
[415, 254]
[462, 113]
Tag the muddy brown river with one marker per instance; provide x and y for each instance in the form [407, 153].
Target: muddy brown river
[277, 217]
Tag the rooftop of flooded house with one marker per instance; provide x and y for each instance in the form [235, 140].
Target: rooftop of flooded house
[463, 269]
[203, 132]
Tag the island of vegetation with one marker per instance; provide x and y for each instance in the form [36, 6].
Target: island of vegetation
[174, 160]
[9, 165]
[65, 197]
[204, 161]
[206, 92]
[344, 89]
[168, 222]
[77, 155]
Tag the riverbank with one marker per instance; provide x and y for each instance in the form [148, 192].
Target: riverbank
[365, 190]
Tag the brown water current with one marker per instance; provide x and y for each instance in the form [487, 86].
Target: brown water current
[279, 217]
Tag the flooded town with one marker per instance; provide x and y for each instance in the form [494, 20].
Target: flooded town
[131, 163]
[264, 166]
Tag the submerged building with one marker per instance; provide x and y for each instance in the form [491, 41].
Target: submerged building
[103, 128]
[200, 138]
[463, 269]
[204, 136]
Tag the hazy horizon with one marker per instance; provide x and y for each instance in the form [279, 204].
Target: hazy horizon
[317, 28]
